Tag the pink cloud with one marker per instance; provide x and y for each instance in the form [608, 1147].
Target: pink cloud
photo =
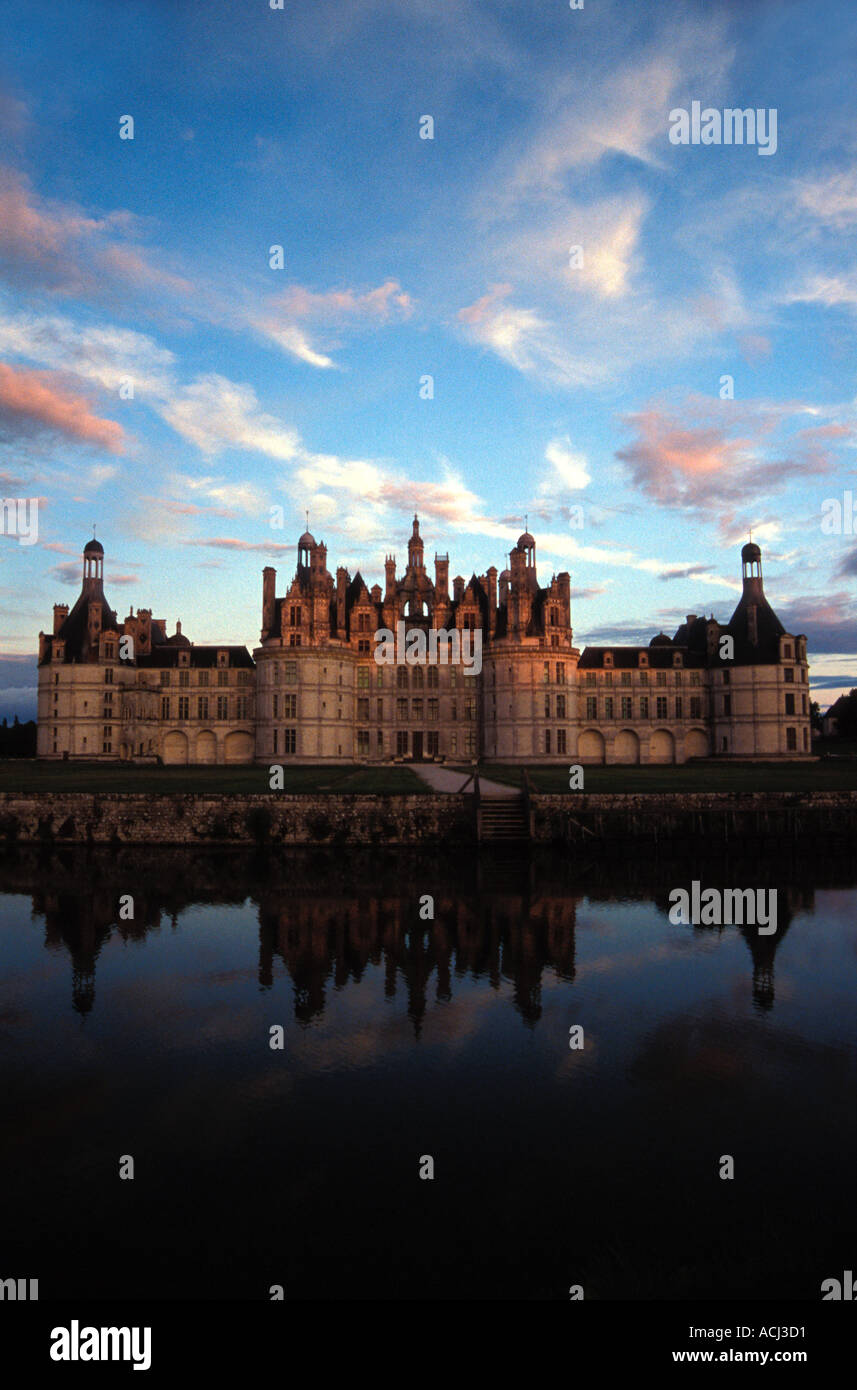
[382, 303]
[31, 397]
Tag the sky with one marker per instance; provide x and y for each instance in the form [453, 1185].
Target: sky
[428, 339]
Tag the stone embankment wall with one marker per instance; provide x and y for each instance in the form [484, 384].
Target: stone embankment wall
[173, 819]
[722, 816]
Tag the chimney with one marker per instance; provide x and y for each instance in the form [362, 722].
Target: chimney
[441, 576]
[691, 618]
[390, 572]
[269, 587]
[458, 588]
[341, 586]
[60, 615]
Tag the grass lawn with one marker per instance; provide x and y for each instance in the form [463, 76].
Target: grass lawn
[22, 775]
[838, 774]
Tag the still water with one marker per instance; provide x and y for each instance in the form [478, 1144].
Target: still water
[406, 1038]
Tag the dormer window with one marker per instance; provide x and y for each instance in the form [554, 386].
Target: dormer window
[184, 658]
[223, 658]
[643, 658]
[608, 659]
[678, 659]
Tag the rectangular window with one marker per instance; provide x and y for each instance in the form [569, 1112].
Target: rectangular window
[727, 704]
[790, 704]
[644, 706]
[433, 706]
[560, 707]
[242, 707]
[590, 677]
[547, 740]
[294, 639]
[402, 710]
[432, 675]
[432, 743]
[275, 740]
[546, 674]
[453, 743]
[294, 617]
[661, 707]
[275, 705]
[626, 707]
[695, 678]
[470, 741]
[791, 740]
[677, 678]
[547, 706]
[379, 677]
[165, 678]
[363, 743]
[290, 740]
[401, 743]
[222, 712]
[223, 678]
[644, 678]
[380, 715]
[165, 707]
[106, 747]
[401, 677]
[108, 730]
[560, 673]
[363, 646]
[787, 651]
[695, 707]
[184, 679]
[416, 709]
[788, 675]
[608, 707]
[108, 676]
[202, 677]
[243, 678]
[184, 706]
[381, 740]
[661, 678]
[418, 678]
[290, 706]
[470, 707]
[202, 707]
[362, 677]
[727, 677]
[453, 678]
[591, 707]
[608, 677]
[291, 673]
[363, 710]
[560, 740]
[453, 711]
[678, 707]
[626, 677]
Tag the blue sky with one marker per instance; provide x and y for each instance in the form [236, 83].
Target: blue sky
[556, 386]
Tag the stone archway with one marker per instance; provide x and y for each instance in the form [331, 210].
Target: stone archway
[238, 747]
[590, 746]
[662, 747]
[206, 747]
[626, 747]
[696, 744]
[175, 747]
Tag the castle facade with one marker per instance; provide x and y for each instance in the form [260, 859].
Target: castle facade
[313, 691]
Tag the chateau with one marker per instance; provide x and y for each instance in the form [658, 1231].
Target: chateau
[313, 692]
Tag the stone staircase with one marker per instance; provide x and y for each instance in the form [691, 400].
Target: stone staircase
[503, 818]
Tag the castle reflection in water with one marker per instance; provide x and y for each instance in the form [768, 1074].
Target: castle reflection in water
[327, 920]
